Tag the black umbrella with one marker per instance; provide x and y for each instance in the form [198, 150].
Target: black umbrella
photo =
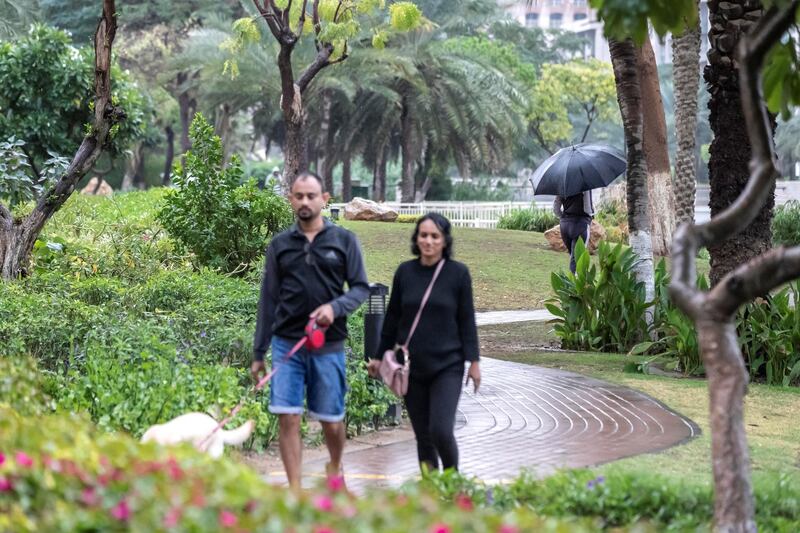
[578, 168]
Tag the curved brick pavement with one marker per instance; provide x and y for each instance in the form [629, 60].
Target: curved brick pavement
[528, 417]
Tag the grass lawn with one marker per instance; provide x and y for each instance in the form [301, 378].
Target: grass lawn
[510, 269]
[770, 412]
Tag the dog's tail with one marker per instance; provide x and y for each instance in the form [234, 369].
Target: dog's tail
[235, 437]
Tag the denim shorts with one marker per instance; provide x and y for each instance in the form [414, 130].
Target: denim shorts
[321, 375]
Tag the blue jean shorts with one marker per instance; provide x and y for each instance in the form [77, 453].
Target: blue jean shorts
[320, 375]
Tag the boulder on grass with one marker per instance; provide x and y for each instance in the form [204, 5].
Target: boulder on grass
[362, 209]
[98, 187]
[596, 234]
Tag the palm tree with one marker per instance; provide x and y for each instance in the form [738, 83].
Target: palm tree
[730, 149]
[626, 75]
[15, 17]
[686, 80]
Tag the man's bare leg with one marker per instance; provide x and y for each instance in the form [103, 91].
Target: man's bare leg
[335, 436]
[291, 448]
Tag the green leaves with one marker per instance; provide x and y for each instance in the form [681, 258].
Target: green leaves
[629, 18]
[404, 16]
[781, 78]
[223, 219]
[601, 307]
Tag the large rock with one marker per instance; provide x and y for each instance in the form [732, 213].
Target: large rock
[361, 209]
[104, 188]
[596, 234]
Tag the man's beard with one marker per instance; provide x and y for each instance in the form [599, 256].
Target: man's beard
[305, 213]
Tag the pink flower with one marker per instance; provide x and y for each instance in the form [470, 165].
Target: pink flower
[336, 483]
[506, 528]
[174, 469]
[172, 517]
[323, 503]
[464, 502]
[121, 511]
[227, 519]
[89, 497]
[2, 458]
[5, 485]
[440, 528]
[323, 529]
[23, 459]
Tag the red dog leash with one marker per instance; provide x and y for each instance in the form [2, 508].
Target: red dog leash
[314, 339]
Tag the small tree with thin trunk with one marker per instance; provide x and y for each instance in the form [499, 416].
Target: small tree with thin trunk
[18, 235]
[713, 312]
[332, 24]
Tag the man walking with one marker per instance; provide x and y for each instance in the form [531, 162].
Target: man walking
[304, 276]
[575, 215]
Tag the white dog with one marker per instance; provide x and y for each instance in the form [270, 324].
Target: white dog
[196, 428]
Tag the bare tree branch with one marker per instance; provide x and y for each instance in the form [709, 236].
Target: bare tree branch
[302, 21]
[756, 278]
[106, 115]
[286, 14]
[315, 17]
[320, 62]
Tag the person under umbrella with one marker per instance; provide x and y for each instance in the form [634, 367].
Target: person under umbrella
[570, 174]
[575, 215]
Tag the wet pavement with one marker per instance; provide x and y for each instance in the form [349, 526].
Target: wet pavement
[527, 417]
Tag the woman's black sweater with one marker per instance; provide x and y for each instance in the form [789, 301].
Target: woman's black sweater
[446, 334]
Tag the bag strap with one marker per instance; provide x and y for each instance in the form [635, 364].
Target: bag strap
[422, 304]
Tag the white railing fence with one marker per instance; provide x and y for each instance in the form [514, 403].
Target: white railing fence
[462, 214]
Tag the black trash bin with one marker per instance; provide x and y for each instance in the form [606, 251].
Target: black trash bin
[373, 318]
[373, 323]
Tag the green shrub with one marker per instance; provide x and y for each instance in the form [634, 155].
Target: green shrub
[408, 219]
[59, 474]
[621, 499]
[613, 216]
[601, 307]
[533, 219]
[786, 224]
[22, 386]
[225, 223]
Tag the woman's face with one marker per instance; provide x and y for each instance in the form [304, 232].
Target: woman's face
[430, 240]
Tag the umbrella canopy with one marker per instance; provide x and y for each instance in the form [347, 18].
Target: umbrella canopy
[578, 168]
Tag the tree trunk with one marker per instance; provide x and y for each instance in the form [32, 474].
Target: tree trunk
[347, 178]
[326, 138]
[133, 167]
[184, 108]
[730, 149]
[623, 59]
[656, 152]
[169, 157]
[727, 385]
[223, 129]
[686, 81]
[295, 149]
[17, 236]
[407, 154]
[713, 312]
[379, 177]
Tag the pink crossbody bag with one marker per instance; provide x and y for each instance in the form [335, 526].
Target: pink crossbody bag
[394, 374]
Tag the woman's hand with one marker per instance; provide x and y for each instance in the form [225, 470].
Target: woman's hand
[373, 366]
[474, 373]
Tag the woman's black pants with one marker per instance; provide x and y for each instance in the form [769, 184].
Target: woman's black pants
[431, 404]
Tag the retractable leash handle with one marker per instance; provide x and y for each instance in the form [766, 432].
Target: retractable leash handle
[314, 339]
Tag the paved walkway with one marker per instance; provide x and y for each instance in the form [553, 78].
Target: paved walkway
[526, 417]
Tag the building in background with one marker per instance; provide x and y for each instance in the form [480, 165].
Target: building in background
[576, 16]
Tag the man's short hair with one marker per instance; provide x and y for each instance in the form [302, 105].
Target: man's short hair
[305, 174]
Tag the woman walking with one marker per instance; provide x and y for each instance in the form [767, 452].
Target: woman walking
[444, 338]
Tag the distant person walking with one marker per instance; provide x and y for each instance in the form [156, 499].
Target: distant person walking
[575, 215]
[445, 338]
